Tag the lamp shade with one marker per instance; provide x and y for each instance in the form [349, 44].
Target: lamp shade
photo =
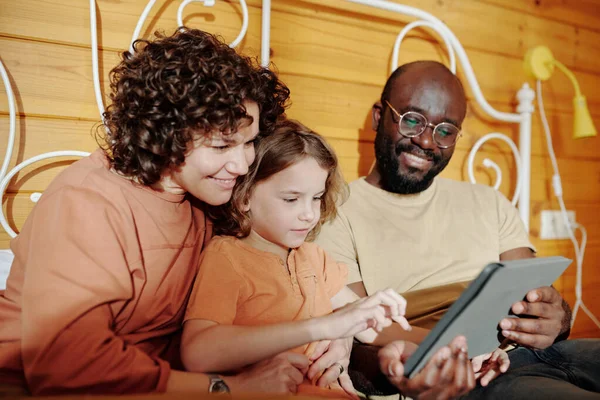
[582, 125]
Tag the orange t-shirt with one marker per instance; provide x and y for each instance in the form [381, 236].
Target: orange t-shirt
[238, 284]
[98, 288]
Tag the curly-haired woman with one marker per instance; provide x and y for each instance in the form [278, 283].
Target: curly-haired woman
[105, 263]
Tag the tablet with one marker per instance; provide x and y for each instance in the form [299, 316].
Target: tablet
[480, 308]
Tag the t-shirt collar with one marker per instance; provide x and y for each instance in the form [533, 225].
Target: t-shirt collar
[406, 199]
[256, 241]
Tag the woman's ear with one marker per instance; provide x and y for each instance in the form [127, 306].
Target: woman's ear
[246, 206]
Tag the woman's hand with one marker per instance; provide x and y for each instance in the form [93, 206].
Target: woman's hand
[329, 364]
[280, 374]
[447, 375]
[488, 366]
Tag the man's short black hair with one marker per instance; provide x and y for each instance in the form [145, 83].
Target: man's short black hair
[385, 95]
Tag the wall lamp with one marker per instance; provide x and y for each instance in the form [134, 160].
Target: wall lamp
[540, 64]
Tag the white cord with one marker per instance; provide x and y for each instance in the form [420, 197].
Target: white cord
[557, 186]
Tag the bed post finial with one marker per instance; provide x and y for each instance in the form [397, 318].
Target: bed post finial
[525, 96]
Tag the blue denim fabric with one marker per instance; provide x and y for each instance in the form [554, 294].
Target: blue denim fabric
[567, 370]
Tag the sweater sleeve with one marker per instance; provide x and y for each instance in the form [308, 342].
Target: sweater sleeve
[77, 279]
[217, 289]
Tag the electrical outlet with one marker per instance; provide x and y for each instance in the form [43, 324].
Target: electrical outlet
[553, 225]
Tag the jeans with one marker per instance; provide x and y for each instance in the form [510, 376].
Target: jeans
[567, 370]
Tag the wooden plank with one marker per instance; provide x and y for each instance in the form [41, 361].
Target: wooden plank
[365, 45]
[68, 22]
[41, 135]
[44, 74]
[579, 13]
[511, 31]
[50, 79]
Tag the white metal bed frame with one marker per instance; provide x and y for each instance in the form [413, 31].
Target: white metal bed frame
[522, 117]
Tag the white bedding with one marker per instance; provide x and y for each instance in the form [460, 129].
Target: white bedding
[6, 258]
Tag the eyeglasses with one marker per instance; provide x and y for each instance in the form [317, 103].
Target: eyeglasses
[412, 124]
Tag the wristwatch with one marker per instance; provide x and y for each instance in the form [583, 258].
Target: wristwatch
[217, 385]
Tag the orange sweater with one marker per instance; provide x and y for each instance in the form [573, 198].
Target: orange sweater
[97, 292]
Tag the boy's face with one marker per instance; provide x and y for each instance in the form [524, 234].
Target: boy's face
[212, 167]
[287, 206]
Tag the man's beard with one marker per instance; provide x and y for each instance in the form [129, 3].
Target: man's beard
[392, 180]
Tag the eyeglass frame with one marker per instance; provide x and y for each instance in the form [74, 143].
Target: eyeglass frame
[427, 125]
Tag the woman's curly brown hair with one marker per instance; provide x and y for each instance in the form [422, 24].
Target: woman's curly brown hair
[176, 89]
[290, 143]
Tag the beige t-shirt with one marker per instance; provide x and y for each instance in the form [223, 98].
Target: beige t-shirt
[445, 234]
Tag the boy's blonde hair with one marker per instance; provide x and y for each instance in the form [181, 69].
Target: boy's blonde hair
[289, 143]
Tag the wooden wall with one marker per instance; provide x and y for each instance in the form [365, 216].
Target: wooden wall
[335, 57]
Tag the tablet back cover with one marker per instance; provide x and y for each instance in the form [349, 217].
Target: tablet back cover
[484, 303]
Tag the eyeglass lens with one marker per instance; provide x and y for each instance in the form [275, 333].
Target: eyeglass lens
[413, 124]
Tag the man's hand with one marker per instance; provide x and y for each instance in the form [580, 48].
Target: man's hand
[327, 356]
[280, 374]
[546, 304]
[447, 375]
